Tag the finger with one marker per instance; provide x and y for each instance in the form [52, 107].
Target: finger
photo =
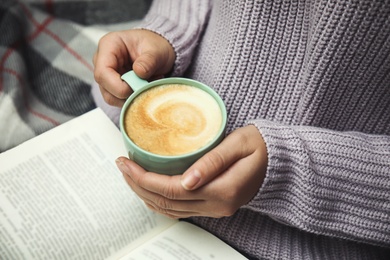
[224, 202]
[171, 214]
[94, 58]
[111, 83]
[155, 55]
[146, 64]
[177, 208]
[164, 185]
[182, 208]
[111, 60]
[241, 181]
[213, 163]
[111, 99]
[210, 212]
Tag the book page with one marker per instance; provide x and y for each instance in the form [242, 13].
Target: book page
[184, 241]
[61, 195]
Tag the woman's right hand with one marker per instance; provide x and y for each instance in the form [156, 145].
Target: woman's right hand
[147, 53]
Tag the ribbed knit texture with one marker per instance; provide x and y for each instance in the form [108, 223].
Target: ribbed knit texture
[314, 77]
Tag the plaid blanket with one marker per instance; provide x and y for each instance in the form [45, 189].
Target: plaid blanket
[46, 49]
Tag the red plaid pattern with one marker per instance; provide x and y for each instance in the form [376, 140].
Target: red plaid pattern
[46, 70]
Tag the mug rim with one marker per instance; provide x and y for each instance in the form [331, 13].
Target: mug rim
[175, 80]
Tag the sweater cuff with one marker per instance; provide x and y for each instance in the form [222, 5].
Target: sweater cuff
[181, 25]
[277, 186]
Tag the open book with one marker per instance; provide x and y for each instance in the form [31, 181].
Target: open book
[62, 197]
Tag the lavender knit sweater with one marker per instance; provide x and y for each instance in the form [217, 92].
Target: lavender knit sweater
[314, 77]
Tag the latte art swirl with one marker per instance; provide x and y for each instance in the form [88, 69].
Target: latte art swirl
[173, 119]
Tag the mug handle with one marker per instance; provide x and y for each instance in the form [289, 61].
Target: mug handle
[133, 80]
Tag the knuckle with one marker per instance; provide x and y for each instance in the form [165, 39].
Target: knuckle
[214, 160]
[140, 180]
[106, 37]
[240, 137]
[123, 93]
[109, 99]
[163, 204]
[168, 191]
[149, 56]
[98, 75]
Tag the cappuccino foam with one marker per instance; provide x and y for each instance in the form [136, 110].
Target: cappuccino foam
[173, 119]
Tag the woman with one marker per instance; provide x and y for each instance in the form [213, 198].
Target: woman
[304, 171]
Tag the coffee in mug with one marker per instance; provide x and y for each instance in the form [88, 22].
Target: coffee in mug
[168, 124]
[173, 119]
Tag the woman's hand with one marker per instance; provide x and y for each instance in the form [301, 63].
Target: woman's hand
[217, 185]
[147, 53]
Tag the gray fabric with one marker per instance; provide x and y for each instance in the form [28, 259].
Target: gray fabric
[46, 50]
[313, 76]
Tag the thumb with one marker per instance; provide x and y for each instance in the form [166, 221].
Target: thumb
[210, 165]
[145, 65]
[155, 59]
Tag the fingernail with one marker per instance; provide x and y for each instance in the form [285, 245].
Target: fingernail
[190, 180]
[122, 167]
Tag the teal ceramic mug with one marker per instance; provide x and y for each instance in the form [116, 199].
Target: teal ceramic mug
[168, 124]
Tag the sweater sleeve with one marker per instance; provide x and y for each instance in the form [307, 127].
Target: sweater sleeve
[327, 182]
[181, 23]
